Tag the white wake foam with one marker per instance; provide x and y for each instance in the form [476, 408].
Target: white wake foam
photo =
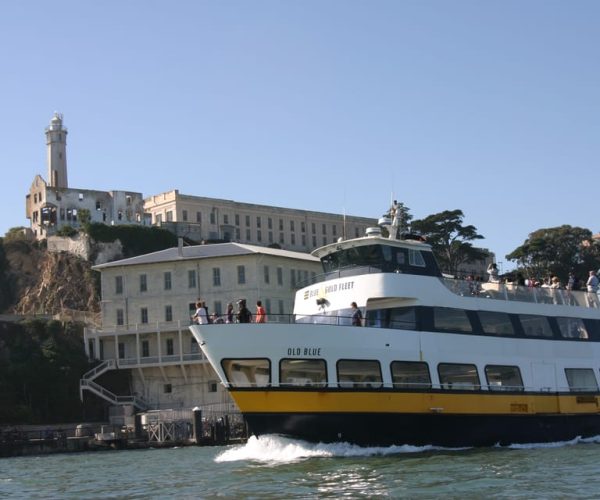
[556, 444]
[279, 449]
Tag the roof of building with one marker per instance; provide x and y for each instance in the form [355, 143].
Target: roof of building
[205, 252]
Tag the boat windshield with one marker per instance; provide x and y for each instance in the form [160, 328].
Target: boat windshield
[385, 258]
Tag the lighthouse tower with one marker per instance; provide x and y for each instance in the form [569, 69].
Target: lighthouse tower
[56, 143]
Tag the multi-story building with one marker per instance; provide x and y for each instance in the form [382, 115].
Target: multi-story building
[147, 303]
[210, 219]
[52, 204]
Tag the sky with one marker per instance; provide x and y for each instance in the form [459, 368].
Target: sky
[490, 107]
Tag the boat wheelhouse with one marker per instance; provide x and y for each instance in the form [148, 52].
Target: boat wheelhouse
[436, 361]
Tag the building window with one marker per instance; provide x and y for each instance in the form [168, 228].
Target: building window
[334, 230]
[158, 219]
[324, 240]
[212, 386]
[143, 283]
[167, 280]
[192, 278]
[216, 276]
[247, 220]
[184, 215]
[218, 307]
[121, 350]
[293, 241]
[225, 219]
[212, 217]
[313, 228]
[144, 315]
[258, 221]
[118, 285]
[145, 349]
[314, 241]
[324, 228]
[281, 238]
[303, 226]
[237, 219]
[280, 276]
[168, 313]
[270, 236]
[303, 240]
[270, 223]
[241, 272]
[168, 388]
[292, 226]
[266, 274]
[120, 317]
[247, 234]
[292, 277]
[281, 307]
[356, 232]
[259, 235]
[170, 349]
[198, 217]
[237, 233]
[281, 224]
[170, 216]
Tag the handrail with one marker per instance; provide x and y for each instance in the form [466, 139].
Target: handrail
[519, 293]
[106, 365]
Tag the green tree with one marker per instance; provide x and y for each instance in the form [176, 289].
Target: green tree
[15, 233]
[450, 239]
[557, 250]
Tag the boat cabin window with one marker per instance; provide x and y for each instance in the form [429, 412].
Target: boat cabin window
[247, 372]
[410, 375]
[400, 318]
[458, 377]
[503, 378]
[382, 258]
[535, 326]
[496, 323]
[359, 374]
[572, 328]
[453, 320]
[581, 379]
[303, 372]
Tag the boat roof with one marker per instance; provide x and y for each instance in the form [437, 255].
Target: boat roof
[369, 240]
[205, 252]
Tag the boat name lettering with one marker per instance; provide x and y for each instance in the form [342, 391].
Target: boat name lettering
[336, 287]
[304, 351]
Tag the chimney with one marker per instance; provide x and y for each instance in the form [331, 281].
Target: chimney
[180, 247]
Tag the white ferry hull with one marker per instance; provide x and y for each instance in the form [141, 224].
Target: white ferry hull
[544, 411]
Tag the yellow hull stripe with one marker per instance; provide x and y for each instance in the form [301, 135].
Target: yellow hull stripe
[388, 402]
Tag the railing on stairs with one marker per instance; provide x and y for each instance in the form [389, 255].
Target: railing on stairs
[110, 396]
[109, 364]
[87, 383]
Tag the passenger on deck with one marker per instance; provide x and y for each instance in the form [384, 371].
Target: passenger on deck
[356, 315]
[261, 314]
[243, 315]
[229, 313]
[200, 316]
[492, 270]
[592, 282]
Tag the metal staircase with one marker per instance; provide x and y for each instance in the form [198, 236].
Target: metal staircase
[87, 383]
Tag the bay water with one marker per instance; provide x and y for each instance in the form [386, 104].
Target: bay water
[276, 467]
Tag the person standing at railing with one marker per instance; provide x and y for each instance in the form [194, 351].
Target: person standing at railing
[229, 313]
[200, 316]
[592, 288]
[492, 270]
[261, 314]
[244, 315]
[356, 315]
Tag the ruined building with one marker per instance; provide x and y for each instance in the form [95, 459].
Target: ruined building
[52, 204]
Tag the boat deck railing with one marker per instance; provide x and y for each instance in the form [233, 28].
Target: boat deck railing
[510, 292]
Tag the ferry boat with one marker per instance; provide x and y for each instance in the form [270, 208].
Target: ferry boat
[433, 360]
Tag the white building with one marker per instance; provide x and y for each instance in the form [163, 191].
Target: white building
[210, 219]
[147, 302]
[52, 204]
